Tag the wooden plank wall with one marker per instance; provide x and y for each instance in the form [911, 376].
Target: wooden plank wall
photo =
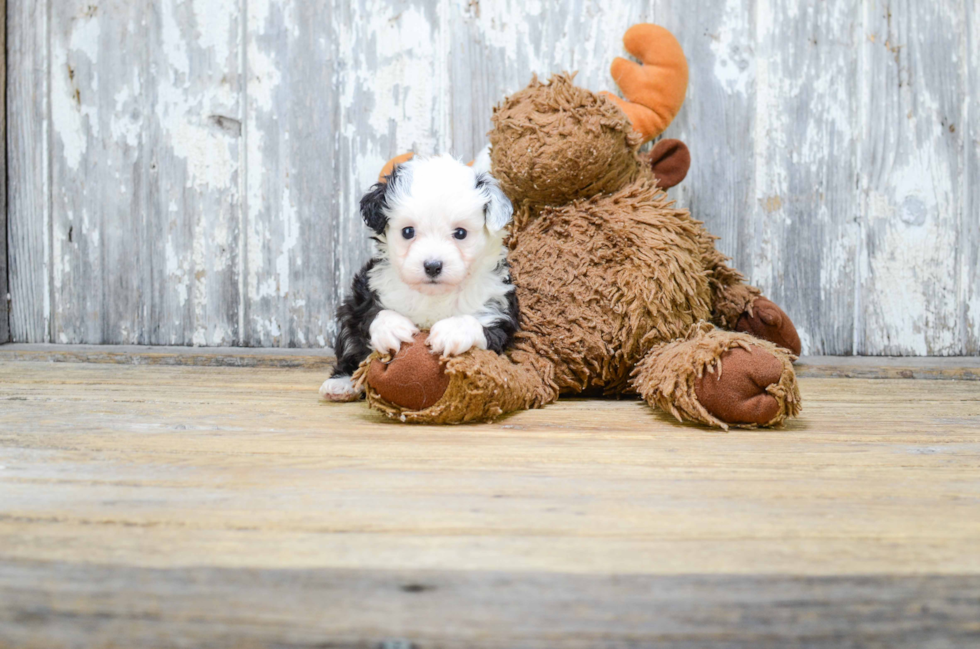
[4, 309]
[187, 172]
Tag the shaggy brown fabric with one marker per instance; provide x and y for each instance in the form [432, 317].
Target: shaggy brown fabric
[554, 142]
[669, 160]
[669, 376]
[414, 377]
[732, 299]
[602, 280]
[763, 319]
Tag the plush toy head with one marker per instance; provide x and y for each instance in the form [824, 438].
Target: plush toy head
[553, 143]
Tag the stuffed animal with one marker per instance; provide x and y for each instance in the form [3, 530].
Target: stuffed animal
[620, 291]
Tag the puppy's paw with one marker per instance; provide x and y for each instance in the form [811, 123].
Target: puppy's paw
[389, 330]
[339, 389]
[457, 335]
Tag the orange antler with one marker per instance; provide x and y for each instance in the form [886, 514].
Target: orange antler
[654, 90]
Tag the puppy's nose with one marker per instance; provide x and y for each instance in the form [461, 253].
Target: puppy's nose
[432, 267]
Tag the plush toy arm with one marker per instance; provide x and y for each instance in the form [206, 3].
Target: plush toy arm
[720, 378]
[480, 385]
[738, 306]
[654, 90]
[730, 295]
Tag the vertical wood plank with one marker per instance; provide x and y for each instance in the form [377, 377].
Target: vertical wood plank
[96, 119]
[4, 304]
[911, 165]
[334, 90]
[970, 227]
[802, 223]
[193, 203]
[28, 172]
[290, 133]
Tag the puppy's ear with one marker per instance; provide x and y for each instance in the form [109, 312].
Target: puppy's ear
[377, 201]
[498, 210]
[373, 206]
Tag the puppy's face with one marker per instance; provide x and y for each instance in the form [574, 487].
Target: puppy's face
[438, 219]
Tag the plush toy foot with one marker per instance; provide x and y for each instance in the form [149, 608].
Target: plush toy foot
[737, 391]
[414, 378]
[417, 386]
[720, 378]
[765, 320]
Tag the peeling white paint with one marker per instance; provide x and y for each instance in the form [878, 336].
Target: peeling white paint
[733, 59]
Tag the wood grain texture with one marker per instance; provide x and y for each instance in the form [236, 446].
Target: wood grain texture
[322, 359]
[207, 158]
[228, 507]
[969, 237]
[911, 165]
[803, 234]
[28, 172]
[59, 604]
[193, 112]
[4, 292]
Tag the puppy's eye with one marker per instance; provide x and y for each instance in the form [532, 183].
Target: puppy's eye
[408, 233]
[459, 233]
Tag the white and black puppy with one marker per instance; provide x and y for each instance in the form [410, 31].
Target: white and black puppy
[440, 264]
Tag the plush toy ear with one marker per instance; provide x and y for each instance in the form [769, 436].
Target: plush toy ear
[498, 210]
[670, 160]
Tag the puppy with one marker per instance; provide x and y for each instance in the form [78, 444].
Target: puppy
[440, 264]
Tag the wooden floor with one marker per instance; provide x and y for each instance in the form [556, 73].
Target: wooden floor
[227, 507]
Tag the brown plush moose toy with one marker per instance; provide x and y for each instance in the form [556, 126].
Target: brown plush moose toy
[620, 292]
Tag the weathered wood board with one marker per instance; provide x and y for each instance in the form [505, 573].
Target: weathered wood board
[227, 507]
[4, 306]
[188, 173]
[28, 155]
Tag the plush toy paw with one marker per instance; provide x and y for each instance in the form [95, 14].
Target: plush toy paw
[738, 392]
[767, 321]
[341, 388]
[389, 330]
[456, 335]
[413, 379]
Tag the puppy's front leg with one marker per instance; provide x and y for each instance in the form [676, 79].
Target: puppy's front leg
[389, 330]
[456, 335]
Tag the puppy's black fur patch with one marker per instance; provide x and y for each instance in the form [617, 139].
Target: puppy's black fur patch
[501, 334]
[354, 318]
[374, 204]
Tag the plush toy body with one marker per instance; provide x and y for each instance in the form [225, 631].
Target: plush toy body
[619, 291]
